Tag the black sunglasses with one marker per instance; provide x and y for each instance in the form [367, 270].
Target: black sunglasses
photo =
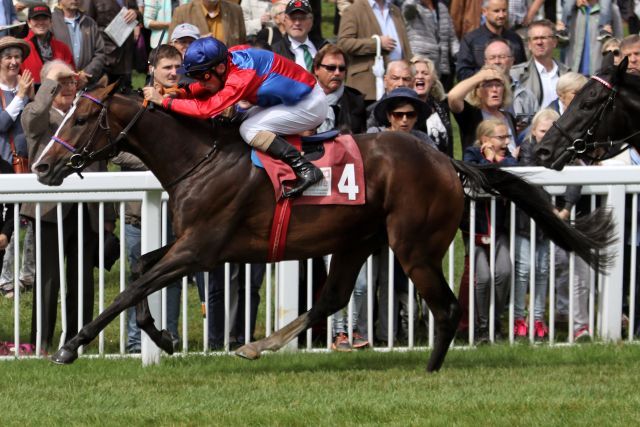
[199, 75]
[616, 52]
[333, 68]
[400, 114]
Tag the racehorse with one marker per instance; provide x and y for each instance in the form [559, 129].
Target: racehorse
[222, 207]
[601, 121]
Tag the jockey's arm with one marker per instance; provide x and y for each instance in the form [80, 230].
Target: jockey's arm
[192, 90]
[241, 84]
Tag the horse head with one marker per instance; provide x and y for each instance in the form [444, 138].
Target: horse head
[83, 134]
[601, 113]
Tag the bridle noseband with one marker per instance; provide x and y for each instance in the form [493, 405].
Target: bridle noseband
[584, 143]
[83, 155]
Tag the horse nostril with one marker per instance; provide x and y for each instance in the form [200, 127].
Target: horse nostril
[543, 153]
[41, 168]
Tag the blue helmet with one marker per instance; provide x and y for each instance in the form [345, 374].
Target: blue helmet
[204, 54]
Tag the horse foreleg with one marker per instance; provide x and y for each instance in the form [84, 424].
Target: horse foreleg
[335, 295]
[173, 265]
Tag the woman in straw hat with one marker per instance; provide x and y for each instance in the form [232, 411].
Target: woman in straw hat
[15, 91]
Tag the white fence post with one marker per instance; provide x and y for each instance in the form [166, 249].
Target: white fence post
[611, 296]
[288, 297]
[151, 225]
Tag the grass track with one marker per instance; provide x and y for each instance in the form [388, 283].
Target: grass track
[498, 385]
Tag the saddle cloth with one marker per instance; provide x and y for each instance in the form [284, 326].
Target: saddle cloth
[341, 164]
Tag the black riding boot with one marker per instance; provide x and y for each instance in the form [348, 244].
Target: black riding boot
[307, 173]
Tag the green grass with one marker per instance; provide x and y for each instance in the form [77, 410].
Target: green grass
[588, 385]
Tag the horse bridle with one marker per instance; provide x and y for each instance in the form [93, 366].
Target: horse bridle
[83, 155]
[584, 142]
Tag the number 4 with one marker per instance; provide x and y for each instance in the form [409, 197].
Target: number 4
[347, 183]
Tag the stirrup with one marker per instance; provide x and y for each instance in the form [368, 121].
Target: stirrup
[305, 181]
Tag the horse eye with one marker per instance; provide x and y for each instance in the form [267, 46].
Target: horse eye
[80, 121]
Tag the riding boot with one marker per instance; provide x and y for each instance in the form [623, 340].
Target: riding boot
[307, 173]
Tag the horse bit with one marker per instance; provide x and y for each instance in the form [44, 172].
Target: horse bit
[582, 144]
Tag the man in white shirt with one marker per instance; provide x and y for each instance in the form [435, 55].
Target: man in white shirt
[361, 21]
[541, 73]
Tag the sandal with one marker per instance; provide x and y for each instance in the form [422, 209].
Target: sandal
[23, 349]
[4, 349]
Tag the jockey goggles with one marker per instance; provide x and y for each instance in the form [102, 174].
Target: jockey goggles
[203, 72]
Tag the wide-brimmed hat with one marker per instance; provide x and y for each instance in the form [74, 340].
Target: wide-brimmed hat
[403, 94]
[8, 41]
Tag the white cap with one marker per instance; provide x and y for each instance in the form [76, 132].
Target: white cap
[185, 30]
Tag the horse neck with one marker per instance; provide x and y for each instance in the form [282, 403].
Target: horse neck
[622, 122]
[167, 147]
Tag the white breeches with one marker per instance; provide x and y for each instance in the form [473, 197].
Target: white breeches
[307, 114]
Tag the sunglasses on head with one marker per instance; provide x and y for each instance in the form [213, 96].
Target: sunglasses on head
[401, 114]
[616, 52]
[333, 68]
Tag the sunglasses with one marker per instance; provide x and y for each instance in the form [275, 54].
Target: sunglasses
[200, 75]
[333, 68]
[492, 84]
[401, 114]
[616, 52]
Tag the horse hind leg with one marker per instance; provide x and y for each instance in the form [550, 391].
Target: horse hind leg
[447, 312]
[335, 295]
[428, 278]
[145, 322]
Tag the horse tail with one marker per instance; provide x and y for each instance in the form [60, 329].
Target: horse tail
[586, 236]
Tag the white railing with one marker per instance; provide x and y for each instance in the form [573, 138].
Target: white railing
[611, 183]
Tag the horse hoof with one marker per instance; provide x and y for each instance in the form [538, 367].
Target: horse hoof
[64, 356]
[166, 342]
[248, 351]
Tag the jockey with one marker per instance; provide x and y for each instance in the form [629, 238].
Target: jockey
[287, 99]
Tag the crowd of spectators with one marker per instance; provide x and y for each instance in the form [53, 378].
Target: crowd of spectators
[506, 70]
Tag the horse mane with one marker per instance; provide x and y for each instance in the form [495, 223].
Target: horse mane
[210, 126]
[632, 81]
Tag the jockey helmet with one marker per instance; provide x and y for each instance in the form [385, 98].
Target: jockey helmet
[204, 54]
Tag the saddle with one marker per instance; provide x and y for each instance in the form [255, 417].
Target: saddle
[339, 159]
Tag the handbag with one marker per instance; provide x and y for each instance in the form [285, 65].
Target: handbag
[20, 163]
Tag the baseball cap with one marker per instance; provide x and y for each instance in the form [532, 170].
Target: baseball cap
[298, 5]
[39, 10]
[185, 30]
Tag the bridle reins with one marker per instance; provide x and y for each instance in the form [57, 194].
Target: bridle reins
[579, 146]
[83, 155]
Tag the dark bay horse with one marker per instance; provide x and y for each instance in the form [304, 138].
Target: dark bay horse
[222, 208]
[601, 120]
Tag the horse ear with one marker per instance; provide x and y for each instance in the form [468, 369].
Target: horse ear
[104, 80]
[112, 88]
[607, 61]
[620, 71]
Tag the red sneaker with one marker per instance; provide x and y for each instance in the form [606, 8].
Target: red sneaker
[341, 343]
[582, 335]
[520, 329]
[540, 330]
[359, 341]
